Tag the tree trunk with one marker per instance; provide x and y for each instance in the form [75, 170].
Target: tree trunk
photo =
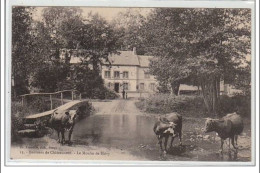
[95, 65]
[175, 88]
[210, 92]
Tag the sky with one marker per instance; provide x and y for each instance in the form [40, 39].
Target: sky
[107, 13]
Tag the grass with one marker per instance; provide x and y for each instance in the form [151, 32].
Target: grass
[31, 106]
[193, 106]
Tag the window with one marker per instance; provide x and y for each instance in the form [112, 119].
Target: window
[107, 74]
[125, 74]
[146, 75]
[141, 86]
[116, 74]
[152, 86]
[126, 86]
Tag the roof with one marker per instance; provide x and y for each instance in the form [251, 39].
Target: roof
[184, 87]
[124, 58]
[127, 58]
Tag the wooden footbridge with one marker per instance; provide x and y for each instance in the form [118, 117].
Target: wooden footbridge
[35, 124]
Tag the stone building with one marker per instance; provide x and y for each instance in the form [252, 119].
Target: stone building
[129, 72]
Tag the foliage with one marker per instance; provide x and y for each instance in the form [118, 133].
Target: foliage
[201, 47]
[31, 106]
[63, 24]
[238, 103]
[51, 77]
[89, 83]
[128, 25]
[97, 39]
[23, 59]
[193, 106]
[104, 93]
[165, 103]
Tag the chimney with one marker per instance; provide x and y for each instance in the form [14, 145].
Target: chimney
[134, 50]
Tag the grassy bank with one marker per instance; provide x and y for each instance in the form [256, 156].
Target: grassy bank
[193, 106]
[33, 106]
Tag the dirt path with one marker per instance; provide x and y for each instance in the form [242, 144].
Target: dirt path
[116, 107]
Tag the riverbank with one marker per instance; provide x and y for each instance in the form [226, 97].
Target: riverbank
[119, 128]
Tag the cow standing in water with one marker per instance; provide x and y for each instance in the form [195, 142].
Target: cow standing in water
[230, 126]
[169, 125]
[64, 120]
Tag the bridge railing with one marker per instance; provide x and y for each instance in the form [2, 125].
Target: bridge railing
[73, 94]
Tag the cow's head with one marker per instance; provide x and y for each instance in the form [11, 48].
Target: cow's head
[210, 125]
[73, 116]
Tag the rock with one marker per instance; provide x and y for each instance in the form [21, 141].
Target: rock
[206, 137]
[199, 136]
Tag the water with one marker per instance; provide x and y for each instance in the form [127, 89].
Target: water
[134, 133]
[119, 131]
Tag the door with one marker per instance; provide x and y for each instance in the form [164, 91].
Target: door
[117, 87]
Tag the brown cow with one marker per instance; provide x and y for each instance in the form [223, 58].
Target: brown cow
[177, 120]
[230, 126]
[62, 120]
[169, 125]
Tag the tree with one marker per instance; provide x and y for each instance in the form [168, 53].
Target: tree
[128, 25]
[85, 80]
[57, 35]
[167, 39]
[201, 45]
[28, 50]
[97, 40]
[221, 51]
[63, 25]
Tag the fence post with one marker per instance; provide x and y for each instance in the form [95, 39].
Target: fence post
[61, 97]
[22, 100]
[79, 96]
[72, 95]
[51, 101]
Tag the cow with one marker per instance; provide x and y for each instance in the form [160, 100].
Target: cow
[62, 120]
[229, 126]
[169, 125]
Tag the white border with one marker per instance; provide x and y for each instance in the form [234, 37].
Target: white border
[116, 3]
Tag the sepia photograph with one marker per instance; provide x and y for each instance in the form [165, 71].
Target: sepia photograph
[131, 84]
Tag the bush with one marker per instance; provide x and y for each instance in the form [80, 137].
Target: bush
[165, 103]
[194, 105]
[18, 112]
[32, 105]
[101, 93]
[238, 103]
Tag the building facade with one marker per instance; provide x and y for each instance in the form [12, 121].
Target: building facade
[130, 72]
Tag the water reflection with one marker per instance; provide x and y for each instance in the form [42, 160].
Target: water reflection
[116, 130]
[134, 133]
